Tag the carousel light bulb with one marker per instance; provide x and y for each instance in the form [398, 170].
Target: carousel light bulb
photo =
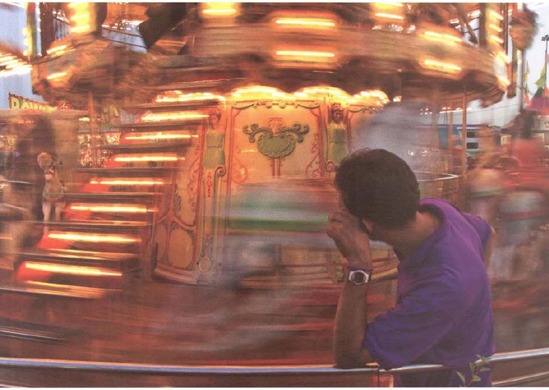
[10, 62]
[56, 49]
[495, 38]
[99, 238]
[219, 9]
[80, 29]
[495, 15]
[389, 16]
[155, 158]
[444, 38]
[111, 208]
[442, 66]
[160, 135]
[306, 22]
[220, 12]
[128, 182]
[55, 76]
[80, 16]
[293, 53]
[495, 27]
[170, 116]
[71, 269]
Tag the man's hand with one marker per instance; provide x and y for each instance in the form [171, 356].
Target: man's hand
[350, 238]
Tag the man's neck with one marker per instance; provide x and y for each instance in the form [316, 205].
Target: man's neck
[406, 240]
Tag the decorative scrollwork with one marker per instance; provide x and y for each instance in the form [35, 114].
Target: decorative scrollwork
[240, 172]
[330, 166]
[315, 161]
[192, 186]
[275, 146]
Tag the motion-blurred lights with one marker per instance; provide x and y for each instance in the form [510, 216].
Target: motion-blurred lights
[298, 54]
[97, 238]
[71, 269]
[388, 16]
[55, 76]
[305, 22]
[219, 10]
[128, 182]
[445, 67]
[160, 135]
[172, 116]
[148, 158]
[57, 49]
[444, 38]
[496, 15]
[495, 38]
[189, 97]
[111, 208]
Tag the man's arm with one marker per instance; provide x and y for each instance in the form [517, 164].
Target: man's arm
[351, 317]
[350, 327]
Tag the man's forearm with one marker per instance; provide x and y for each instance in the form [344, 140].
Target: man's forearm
[350, 326]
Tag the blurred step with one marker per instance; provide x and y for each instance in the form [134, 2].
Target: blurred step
[31, 331]
[128, 227]
[109, 197]
[175, 124]
[34, 288]
[148, 147]
[130, 184]
[81, 257]
[128, 171]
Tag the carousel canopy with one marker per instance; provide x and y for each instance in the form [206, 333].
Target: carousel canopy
[436, 52]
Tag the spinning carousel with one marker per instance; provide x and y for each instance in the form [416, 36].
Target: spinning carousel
[232, 123]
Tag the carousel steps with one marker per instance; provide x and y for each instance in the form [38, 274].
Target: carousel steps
[53, 290]
[118, 197]
[81, 257]
[31, 331]
[80, 264]
[97, 226]
[128, 171]
[152, 126]
[148, 147]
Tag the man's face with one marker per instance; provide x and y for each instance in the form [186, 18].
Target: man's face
[367, 226]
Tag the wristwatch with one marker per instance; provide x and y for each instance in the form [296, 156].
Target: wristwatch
[360, 276]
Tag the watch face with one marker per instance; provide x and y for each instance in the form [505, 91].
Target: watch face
[358, 277]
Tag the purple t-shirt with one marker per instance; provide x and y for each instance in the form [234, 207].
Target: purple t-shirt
[443, 313]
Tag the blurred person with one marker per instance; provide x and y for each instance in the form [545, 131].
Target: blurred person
[529, 151]
[54, 191]
[443, 312]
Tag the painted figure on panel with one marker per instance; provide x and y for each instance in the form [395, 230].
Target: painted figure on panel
[337, 135]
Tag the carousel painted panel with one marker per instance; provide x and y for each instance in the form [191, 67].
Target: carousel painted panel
[174, 243]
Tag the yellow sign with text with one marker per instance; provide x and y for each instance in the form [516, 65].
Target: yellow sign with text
[21, 103]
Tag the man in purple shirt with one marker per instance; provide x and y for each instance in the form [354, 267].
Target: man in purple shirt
[443, 313]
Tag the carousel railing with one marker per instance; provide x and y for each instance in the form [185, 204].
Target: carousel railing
[270, 370]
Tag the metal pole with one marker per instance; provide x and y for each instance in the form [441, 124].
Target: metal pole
[522, 86]
[464, 134]
[450, 143]
[546, 39]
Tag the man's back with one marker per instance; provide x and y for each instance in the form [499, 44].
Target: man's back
[443, 312]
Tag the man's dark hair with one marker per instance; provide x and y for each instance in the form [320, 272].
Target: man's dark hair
[378, 185]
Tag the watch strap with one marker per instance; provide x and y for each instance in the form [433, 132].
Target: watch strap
[367, 270]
